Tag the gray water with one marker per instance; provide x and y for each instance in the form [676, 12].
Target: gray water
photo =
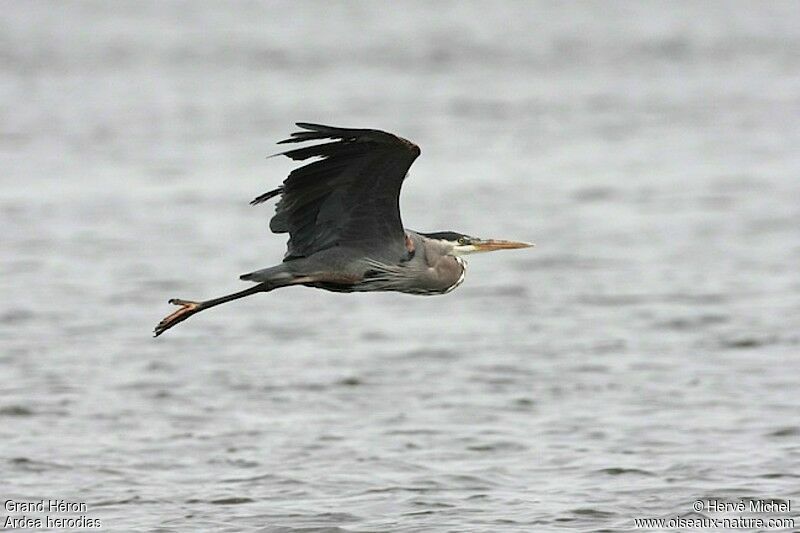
[643, 356]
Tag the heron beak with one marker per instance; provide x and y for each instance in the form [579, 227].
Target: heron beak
[490, 245]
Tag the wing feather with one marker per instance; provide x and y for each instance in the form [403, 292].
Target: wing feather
[350, 196]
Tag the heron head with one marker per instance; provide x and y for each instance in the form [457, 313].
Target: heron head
[461, 244]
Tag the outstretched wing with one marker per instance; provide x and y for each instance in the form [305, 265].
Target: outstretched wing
[349, 197]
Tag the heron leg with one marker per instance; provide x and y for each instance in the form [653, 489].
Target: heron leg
[189, 308]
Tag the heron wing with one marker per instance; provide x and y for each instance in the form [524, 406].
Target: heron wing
[348, 197]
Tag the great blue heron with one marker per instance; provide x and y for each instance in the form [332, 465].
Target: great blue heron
[343, 218]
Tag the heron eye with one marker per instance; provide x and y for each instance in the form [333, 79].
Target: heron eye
[463, 240]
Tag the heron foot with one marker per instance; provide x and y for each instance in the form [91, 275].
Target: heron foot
[188, 308]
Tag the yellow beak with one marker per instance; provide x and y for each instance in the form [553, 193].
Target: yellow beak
[490, 245]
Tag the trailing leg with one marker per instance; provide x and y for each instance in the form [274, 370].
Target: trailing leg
[189, 308]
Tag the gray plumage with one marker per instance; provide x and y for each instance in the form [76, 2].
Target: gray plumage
[342, 215]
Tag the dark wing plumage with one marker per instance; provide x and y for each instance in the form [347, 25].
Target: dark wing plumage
[348, 197]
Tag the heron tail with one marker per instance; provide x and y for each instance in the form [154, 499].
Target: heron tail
[275, 275]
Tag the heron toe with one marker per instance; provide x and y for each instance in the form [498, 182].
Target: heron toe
[184, 303]
[188, 308]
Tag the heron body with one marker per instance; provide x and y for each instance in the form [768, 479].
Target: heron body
[426, 262]
[342, 215]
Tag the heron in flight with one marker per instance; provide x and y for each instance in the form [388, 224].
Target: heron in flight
[342, 215]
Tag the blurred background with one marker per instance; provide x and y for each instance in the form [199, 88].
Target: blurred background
[643, 356]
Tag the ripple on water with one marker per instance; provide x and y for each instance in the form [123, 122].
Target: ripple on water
[498, 446]
[595, 194]
[311, 529]
[231, 500]
[588, 512]
[620, 471]
[16, 410]
[16, 317]
[779, 475]
[351, 381]
[693, 323]
[33, 465]
[748, 342]
[788, 431]
[430, 353]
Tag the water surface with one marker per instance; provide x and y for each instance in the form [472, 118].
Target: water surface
[642, 357]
